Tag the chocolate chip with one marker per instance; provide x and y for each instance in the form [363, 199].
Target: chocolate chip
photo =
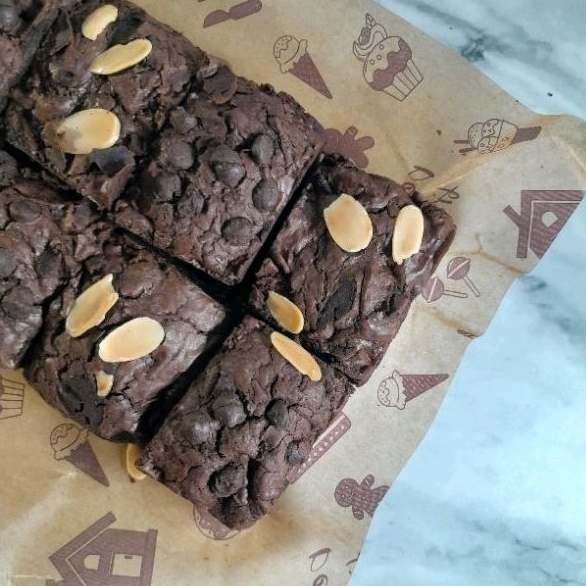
[201, 429]
[227, 166]
[9, 18]
[62, 34]
[49, 263]
[8, 168]
[237, 231]
[227, 481]
[220, 86]
[263, 149]
[179, 153]
[182, 121]
[24, 211]
[111, 161]
[277, 413]
[166, 186]
[227, 409]
[295, 455]
[266, 196]
[338, 305]
[78, 395]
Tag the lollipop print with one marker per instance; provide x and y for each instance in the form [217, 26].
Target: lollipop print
[435, 289]
[458, 269]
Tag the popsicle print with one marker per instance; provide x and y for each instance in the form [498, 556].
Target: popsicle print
[11, 398]
[435, 289]
[236, 12]
[458, 269]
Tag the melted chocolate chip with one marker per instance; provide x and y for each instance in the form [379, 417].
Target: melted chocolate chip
[199, 429]
[227, 166]
[182, 121]
[24, 211]
[294, 454]
[237, 231]
[338, 305]
[179, 154]
[7, 262]
[221, 86]
[111, 161]
[9, 18]
[277, 413]
[263, 149]
[78, 395]
[266, 196]
[227, 408]
[227, 481]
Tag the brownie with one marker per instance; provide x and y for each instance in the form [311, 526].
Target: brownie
[41, 235]
[59, 83]
[244, 423]
[353, 303]
[225, 166]
[23, 23]
[64, 368]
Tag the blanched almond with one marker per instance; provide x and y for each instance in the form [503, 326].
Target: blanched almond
[296, 355]
[91, 307]
[104, 383]
[134, 339]
[95, 24]
[121, 57]
[82, 132]
[348, 224]
[132, 454]
[287, 314]
[408, 233]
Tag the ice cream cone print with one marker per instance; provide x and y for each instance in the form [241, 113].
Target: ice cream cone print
[388, 61]
[70, 443]
[495, 135]
[11, 398]
[292, 56]
[397, 390]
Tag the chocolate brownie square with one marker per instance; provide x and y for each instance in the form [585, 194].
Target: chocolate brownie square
[147, 327]
[353, 303]
[60, 83]
[244, 423]
[226, 165]
[23, 23]
[41, 234]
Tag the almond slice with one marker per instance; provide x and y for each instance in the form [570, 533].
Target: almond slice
[408, 233]
[121, 57]
[134, 339]
[104, 383]
[348, 223]
[287, 314]
[91, 307]
[84, 131]
[296, 355]
[132, 455]
[95, 24]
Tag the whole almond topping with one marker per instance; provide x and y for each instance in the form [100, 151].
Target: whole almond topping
[348, 223]
[287, 314]
[132, 455]
[95, 24]
[104, 383]
[296, 355]
[91, 307]
[84, 131]
[408, 233]
[121, 57]
[134, 339]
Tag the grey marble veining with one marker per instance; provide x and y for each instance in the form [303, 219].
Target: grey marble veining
[534, 49]
[496, 492]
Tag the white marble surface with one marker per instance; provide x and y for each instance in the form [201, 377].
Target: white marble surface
[495, 494]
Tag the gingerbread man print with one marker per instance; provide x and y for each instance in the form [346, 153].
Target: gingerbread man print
[361, 497]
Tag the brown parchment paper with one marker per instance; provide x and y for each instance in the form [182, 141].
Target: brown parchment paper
[70, 515]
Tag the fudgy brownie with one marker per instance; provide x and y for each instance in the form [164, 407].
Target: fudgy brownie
[107, 375]
[353, 303]
[23, 23]
[41, 239]
[244, 423]
[60, 83]
[226, 165]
